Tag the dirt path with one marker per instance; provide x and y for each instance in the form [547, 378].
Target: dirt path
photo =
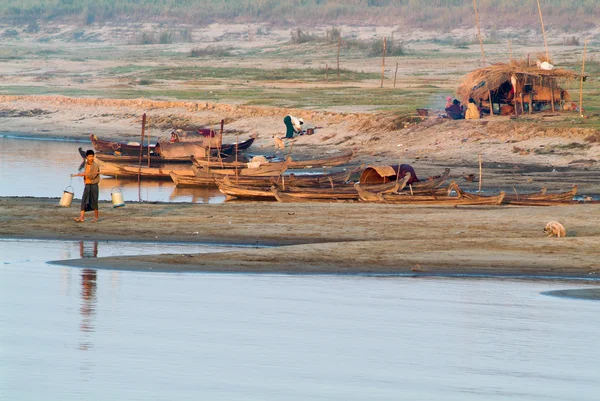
[330, 237]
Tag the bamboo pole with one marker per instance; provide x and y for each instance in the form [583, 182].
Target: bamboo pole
[581, 79]
[552, 95]
[326, 72]
[237, 174]
[148, 142]
[491, 104]
[338, 59]
[479, 32]
[543, 31]
[480, 174]
[395, 73]
[383, 61]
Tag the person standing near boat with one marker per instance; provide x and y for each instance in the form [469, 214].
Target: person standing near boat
[91, 178]
[293, 125]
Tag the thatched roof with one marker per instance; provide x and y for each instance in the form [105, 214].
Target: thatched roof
[477, 83]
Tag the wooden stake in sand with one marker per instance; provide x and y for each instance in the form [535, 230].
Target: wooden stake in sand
[140, 163]
[543, 31]
[383, 62]
[395, 73]
[480, 174]
[479, 32]
[581, 80]
[338, 59]
[326, 72]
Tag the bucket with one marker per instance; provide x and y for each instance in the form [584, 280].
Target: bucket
[67, 197]
[117, 197]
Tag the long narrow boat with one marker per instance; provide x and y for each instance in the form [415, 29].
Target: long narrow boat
[158, 173]
[298, 180]
[532, 199]
[124, 148]
[127, 171]
[433, 200]
[186, 181]
[237, 191]
[332, 161]
[287, 197]
[124, 152]
[263, 170]
[540, 198]
[289, 162]
[234, 190]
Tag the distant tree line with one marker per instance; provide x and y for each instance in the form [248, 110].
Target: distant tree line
[428, 14]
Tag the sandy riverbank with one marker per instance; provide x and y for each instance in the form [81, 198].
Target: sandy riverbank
[337, 238]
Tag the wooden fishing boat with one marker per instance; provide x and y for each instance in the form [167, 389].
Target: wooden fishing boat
[289, 162]
[157, 173]
[119, 151]
[287, 197]
[540, 198]
[532, 199]
[237, 191]
[128, 171]
[377, 195]
[186, 181]
[382, 174]
[298, 180]
[263, 170]
[332, 161]
[123, 148]
[434, 200]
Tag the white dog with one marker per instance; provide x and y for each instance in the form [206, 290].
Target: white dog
[554, 228]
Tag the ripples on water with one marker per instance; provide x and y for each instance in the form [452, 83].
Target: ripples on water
[73, 334]
[42, 168]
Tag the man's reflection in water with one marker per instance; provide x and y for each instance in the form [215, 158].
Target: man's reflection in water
[88, 306]
[88, 249]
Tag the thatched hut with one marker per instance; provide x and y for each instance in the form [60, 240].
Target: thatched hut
[517, 86]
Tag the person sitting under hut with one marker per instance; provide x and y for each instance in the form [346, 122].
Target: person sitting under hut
[293, 126]
[455, 111]
[472, 112]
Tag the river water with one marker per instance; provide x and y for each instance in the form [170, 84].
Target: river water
[42, 168]
[83, 334]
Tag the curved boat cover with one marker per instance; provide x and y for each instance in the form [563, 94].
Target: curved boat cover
[383, 174]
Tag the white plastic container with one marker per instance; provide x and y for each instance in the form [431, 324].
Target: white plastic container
[67, 197]
[117, 197]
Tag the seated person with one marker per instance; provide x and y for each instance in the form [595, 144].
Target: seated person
[472, 112]
[455, 111]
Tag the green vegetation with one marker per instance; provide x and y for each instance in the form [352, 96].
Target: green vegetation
[439, 14]
[249, 74]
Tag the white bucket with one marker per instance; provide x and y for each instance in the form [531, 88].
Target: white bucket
[117, 197]
[67, 197]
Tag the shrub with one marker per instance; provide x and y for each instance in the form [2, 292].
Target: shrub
[299, 36]
[572, 41]
[211, 50]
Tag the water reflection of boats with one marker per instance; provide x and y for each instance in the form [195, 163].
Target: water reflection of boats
[160, 189]
[197, 195]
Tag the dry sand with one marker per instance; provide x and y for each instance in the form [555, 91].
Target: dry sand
[330, 238]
